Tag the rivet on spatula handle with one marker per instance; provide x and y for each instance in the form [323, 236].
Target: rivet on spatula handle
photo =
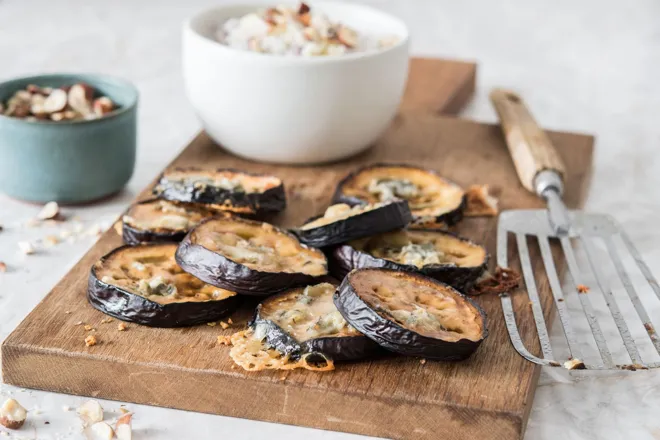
[530, 147]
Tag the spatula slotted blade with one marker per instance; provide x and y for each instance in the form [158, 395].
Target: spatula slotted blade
[585, 230]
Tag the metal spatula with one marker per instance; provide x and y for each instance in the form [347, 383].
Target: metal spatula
[541, 171]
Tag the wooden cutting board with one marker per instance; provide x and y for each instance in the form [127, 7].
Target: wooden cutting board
[487, 396]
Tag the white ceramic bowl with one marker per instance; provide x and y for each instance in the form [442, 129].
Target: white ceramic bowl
[288, 109]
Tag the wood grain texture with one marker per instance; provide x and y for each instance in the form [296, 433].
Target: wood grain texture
[487, 396]
[530, 147]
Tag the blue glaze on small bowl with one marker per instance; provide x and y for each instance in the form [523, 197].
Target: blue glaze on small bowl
[69, 161]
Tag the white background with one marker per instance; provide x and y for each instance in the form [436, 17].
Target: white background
[589, 66]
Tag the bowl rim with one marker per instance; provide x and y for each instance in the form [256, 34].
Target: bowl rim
[330, 59]
[84, 77]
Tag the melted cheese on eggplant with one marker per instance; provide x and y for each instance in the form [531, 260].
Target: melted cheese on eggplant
[427, 194]
[424, 307]
[421, 248]
[338, 212]
[250, 352]
[165, 215]
[151, 272]
[259, 246]
[234, 181]
[307, 313]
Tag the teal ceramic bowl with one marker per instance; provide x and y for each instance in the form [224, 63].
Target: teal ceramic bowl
[72, 161]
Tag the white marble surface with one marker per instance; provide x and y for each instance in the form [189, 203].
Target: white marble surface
[589, 66]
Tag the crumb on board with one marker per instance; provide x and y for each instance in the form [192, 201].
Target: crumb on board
[224, 340]
[212, 324]
[89, 328]
[422, 361]
[79, 323]
[581, 288]
[479, 202]
[229, 321]
[106, 320]
[224, 325]
[282, 378]
[90, 340]
[503, 280]
[122, 326]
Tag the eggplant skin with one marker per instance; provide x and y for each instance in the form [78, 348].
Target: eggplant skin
[133, 236]
[271, 201]
[392, 216]
[130, 307]
[449, 218]
[343, 348]
[218, 270]
[395, 338]
[345, 258]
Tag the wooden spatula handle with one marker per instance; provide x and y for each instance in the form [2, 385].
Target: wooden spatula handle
[530, 148]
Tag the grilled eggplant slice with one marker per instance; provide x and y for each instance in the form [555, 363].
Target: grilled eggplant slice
[431, 198]
[437, 254]
[342, 223]
[305, 320]
[249, 257]
[162, 220]
[411, 314]
[230, 190]
[143, 284]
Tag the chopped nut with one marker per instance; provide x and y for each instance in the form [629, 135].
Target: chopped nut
[282, 378]
[12, 414]
[211, 324]
[89, 328]
[103, 106]
[229, 321]
[55, 102]
[106, 320]
[3, 267]
[57, 116]
[581, 288]
[94, 230]
[102, 431]
[224, 340]
[123, 427]
[303, 8]
[122, 326]
[80, 98]
[305, 18]
[347, 36]
[90, 341]
[91, 411]
[26, 247]
[51, 240]
[224, 325]
[50, 211]
[574, 364]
